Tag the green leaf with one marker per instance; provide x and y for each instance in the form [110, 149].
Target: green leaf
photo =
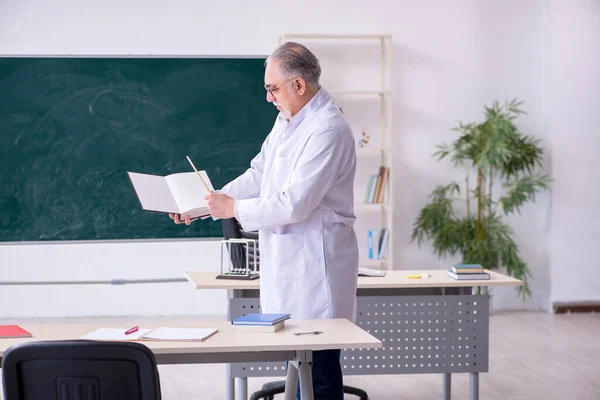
[522, 191]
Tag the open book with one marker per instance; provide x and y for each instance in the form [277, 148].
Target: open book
[160, 334]
[181, 193]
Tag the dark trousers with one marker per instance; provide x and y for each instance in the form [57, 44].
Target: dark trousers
[326, 375]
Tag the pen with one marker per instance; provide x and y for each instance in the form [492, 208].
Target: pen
[307, 333]
[132, 330]
[414, 276]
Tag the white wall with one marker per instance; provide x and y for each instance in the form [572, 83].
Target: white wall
[450, 58]
[575, 128]
[101, 262]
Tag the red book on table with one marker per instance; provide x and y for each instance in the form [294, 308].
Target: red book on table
[13, 331]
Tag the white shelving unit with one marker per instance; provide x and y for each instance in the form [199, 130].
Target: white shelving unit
[383, 151]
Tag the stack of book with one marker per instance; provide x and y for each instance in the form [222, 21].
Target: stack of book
[467, 272]
[260, 322]
[376, 186]
[378, 241]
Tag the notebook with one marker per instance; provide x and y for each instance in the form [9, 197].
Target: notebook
[160, 334]
[260, 319]
[115, 334]
[467, 268]
[484, 276]
[259, 328]
[180, 334]
[12, 332]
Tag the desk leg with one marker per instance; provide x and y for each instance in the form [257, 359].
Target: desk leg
[302, 365]
[229, 383]
[241, 388]
[306, 384]
[474, 386]
[446, 386]
[291, 381]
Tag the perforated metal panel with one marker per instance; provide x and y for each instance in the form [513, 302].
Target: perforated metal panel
[239, 307]
[420, 334]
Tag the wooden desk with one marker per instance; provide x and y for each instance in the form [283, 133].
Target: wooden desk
[428, 325]
[392, 280]
[230, 346]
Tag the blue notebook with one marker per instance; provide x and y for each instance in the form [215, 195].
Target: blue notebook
[260, 319]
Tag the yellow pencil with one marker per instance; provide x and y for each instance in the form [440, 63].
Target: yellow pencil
[200, 176]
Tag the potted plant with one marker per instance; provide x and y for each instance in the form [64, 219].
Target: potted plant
[491, 152]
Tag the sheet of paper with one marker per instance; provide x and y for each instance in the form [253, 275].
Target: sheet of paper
[114, 334]
[188, 189]
[180, 334]
[154, 193]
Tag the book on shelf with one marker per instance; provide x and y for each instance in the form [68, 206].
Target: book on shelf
[383, 178]
[383, 242]
[378, 241]
[371, 189]
[376, 186]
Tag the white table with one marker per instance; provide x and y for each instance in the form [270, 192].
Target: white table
[429, 320]
[228, 345]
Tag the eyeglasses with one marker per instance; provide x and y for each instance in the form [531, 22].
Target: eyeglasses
[274, 89]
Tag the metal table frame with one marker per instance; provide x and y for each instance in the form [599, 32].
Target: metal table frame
[424, 330]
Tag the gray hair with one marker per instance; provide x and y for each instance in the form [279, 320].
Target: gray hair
[295, 60]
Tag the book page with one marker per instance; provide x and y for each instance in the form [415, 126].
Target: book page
[114, 334]
[154, 193]
[188, 190]
[180, 334]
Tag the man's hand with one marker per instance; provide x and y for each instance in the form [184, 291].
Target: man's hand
[220, 205]
[181, 218]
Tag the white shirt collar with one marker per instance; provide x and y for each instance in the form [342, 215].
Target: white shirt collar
[314, 103]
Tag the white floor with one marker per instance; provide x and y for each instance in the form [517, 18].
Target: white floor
[532, 356]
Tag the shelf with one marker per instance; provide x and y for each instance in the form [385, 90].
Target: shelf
[361, 93]
[366, 262]
[332, 36]
[371, 150]
[369, 206]
[354, 99]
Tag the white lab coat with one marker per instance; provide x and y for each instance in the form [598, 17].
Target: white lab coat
[299, 194]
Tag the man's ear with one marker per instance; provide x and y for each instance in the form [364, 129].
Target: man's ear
[300, 86]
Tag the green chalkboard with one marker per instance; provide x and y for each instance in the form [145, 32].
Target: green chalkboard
[70, 128]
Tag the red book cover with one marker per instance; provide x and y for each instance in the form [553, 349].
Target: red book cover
[13, 331]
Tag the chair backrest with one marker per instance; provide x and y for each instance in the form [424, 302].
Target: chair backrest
[80, 370]
[233, 230]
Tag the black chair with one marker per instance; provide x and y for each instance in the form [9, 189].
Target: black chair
[233, 230]
[80, 370]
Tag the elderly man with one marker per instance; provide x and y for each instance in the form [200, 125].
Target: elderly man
[298, 193]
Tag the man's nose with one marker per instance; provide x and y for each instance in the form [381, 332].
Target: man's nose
[270, 97]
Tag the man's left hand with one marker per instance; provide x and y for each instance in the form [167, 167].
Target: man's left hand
[220, 205]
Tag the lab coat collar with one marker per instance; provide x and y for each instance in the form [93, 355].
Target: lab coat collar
[317, 100]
